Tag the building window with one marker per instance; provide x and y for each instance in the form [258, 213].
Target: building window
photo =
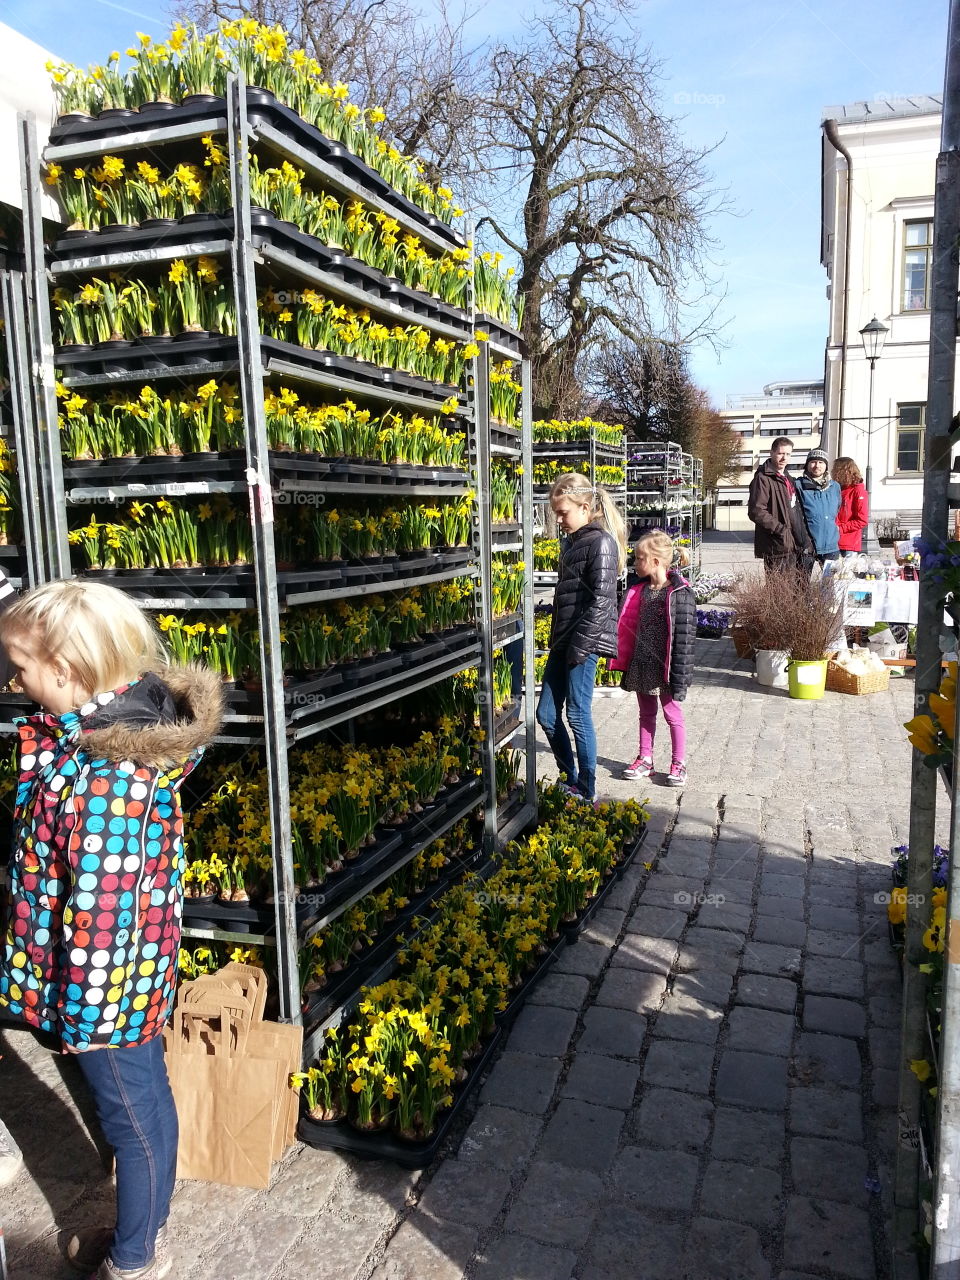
[911, 421]
[917, 252]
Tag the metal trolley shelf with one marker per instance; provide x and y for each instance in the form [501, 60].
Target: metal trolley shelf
[259, 248]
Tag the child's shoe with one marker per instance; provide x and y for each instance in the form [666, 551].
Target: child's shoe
[641, 768]
[108, 1270]
[677, 776]
[89, 1249]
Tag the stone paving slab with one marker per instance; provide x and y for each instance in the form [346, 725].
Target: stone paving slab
[689, 1102]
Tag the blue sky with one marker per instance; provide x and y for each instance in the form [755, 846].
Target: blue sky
[748, 75]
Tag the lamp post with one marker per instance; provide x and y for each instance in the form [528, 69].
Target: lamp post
[872, 336]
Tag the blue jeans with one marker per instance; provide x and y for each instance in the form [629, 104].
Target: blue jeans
[139, 1119]
[573, 686]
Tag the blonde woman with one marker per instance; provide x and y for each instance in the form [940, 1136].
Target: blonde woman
[593, 555]
[90, 953]
[656, 633]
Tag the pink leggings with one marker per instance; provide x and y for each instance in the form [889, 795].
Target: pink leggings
[672, 713]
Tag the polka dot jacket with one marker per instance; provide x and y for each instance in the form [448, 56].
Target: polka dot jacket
[95, 887]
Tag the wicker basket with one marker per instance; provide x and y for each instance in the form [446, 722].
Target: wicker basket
[841, 681]
[742, 642]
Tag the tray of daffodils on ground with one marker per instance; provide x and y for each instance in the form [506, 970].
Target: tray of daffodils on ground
[391, 1079]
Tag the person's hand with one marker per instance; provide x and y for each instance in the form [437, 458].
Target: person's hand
[81, 1048]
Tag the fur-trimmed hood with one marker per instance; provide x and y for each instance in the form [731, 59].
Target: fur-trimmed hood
[158, 722]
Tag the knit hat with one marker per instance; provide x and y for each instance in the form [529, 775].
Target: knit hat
[817, 455]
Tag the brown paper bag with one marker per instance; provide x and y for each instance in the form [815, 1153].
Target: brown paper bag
[264, 1040]
[228, 1101]
[272, 1039]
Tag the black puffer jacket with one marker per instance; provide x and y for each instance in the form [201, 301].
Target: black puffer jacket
[585, 601]
[681, 630]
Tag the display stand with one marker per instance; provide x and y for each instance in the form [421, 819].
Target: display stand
[665, 491]
[259, 252]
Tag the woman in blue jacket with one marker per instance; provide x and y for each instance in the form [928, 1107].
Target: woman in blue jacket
[820, 499]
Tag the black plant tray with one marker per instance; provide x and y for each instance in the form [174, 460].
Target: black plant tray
[502, 334]
[268, 229]
[286, 235]
[144, 358]
[156, 469]
[233, 917]
[213, 584]
[361, 371]
[261, 106]
[229, 465]
[345, 984]
[206, 227]
[510, 626]
[505, 436]
[147, 359]
[560, 448]
[391, 841]
[16, 704]
[506, 1017]
[508, 718]
[574, 928]
[96, 128]
[265, 107]
[383, 1145]
[13, 559]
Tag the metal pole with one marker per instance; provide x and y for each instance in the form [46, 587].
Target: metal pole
[264, 554]
[870, 544]
[483, 547]
[923, 797]
[24, 435]
[55, 548]
[529, 616]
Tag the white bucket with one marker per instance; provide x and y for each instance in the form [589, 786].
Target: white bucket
[772, 668]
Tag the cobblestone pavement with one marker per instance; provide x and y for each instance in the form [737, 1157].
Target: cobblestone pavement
[703, 1088]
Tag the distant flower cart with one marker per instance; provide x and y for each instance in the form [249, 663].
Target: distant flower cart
[712, 623]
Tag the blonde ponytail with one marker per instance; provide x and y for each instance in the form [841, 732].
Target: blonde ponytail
[603, 509]
[663, 546]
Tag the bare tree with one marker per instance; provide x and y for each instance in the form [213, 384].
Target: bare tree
[715, 442]
[611, 223]
[416, 66]
[647, 387]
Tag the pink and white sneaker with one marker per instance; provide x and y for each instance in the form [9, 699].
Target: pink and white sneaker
[677, 776]
[640, 768]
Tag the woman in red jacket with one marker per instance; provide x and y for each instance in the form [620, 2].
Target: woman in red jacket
[852, 518]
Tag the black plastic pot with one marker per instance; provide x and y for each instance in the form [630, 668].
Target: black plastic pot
[203, 100]
[157, 224]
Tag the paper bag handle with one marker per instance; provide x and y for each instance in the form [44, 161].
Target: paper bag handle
[232, 1011]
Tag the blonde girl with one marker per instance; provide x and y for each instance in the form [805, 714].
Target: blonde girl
[655, 637]
[95, 888]
[592, 557]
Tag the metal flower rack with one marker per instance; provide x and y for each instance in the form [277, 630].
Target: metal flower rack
[598, 459]
[272, 495]
[665, 491]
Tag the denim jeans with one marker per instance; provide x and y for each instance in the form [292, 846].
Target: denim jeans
[139, 1119]
[573, 686]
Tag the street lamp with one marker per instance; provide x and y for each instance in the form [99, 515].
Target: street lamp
[872, 336]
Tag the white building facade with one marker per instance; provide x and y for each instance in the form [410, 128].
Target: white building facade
[879, 162]
[793, 409]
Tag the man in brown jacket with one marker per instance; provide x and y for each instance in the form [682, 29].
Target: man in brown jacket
[780, 535]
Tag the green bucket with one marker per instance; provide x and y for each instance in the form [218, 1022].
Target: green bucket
[807, 679]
